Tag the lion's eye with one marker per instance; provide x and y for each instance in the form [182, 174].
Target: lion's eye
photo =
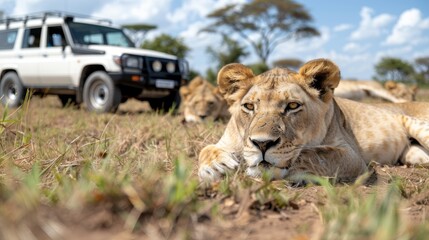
[249, 106]
[210, 103]
[292, 106]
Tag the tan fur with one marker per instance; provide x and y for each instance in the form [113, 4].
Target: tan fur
[287, 123]
[201, 100]
[391, 92]
[401, 90]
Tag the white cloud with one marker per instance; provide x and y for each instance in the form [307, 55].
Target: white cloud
[191, 18]
[197, 9]
[24, 6]
[198, 42]
[425, 23]
[370, 26]
[419, 54]
[356, 66]
[20, 7]
[342, 27]
[129, 11]
[400, 52]
[353, 47]
[408, 29]
[303, 46]
[189, 9]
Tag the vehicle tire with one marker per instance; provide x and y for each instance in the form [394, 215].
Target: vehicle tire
[12, 92]
[165, 104]
[68, 100]
[100, 94]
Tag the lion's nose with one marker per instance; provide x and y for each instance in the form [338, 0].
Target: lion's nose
[264, 145]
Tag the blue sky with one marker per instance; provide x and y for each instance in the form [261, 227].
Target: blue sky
[355, 34]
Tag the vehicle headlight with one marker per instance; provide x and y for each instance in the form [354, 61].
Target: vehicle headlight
[171, 67]
[131, 62]
[157, 66]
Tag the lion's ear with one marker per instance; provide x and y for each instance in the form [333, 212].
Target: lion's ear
[323, 75]
[234, 80]
[184, 92]
[195, 82]
[216, 91]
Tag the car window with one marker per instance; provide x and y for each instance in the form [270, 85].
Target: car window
[7, 39]
[95, 38]
[88, 34]
[32, 38]
[55, 37]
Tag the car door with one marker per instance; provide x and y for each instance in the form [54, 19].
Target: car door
[28, 56]
[54, 65]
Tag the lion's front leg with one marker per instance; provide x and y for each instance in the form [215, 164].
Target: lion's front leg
[214, 162]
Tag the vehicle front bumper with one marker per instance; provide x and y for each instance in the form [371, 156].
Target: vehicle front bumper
[146, 81]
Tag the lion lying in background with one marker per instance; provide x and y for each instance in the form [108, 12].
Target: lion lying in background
[201, 101]
[401, 90]
[391, 92]
[286, 123]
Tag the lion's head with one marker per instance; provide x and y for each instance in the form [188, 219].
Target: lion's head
[279, 112]
[401, 90]
[201, 100]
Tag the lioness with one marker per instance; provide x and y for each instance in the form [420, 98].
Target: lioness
[401, 90]
[201, 100]
[289, 123]
[391, 92]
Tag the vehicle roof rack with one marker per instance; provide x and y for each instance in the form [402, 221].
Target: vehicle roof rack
[44, 15]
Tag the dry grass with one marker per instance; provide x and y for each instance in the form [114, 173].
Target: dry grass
[67, 173]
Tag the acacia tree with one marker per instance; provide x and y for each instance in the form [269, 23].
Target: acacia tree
[394, 69]
[422, 66]
[264, 24]
[138, 31]
[230, 51]
[167, 44]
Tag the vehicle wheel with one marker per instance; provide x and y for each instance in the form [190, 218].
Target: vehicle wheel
[12, 92]
[68, 100]
[165, 104]
[100, 94]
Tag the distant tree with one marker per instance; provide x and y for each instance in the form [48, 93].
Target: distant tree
[264, 24]
[167, 44]
[258, 68]
[422, 67]
[138, 32]
[291, 63]
[394, 69]
[193, 74]
[230, 51]
[211, 76]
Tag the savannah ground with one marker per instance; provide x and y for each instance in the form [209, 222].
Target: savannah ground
[70, 174]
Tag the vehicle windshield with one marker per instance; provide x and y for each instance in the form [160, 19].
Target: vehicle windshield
[89, 34]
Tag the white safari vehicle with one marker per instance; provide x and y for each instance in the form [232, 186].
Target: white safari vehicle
[83, 60]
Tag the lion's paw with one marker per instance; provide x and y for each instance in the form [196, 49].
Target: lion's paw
[214, 163]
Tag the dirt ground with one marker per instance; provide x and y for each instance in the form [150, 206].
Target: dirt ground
[236, 218]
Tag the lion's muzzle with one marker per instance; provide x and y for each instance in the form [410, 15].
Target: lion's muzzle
[264, 144]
